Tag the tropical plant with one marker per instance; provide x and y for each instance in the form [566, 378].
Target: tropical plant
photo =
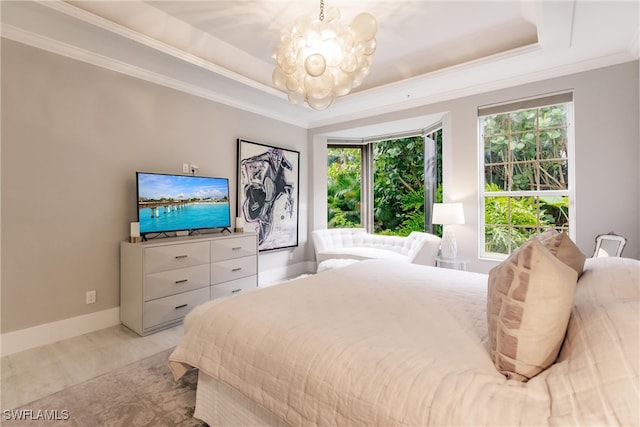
[527, 216]
[526, 152]
[398, 185]
[343, 188]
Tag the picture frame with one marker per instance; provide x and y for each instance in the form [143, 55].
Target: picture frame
[268, 193]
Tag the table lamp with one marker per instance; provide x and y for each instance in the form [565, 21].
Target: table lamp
[448, 214]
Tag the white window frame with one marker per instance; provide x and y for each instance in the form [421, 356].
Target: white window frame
[547, 100]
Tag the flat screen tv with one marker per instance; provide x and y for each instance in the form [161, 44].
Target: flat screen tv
[181, 202]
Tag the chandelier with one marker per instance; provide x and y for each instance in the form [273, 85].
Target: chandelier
[319, 60]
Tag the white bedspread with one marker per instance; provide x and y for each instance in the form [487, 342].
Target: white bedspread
[382, 343]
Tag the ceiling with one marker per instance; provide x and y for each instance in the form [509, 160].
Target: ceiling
[427, 51]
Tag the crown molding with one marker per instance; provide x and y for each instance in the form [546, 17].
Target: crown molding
[64, 49]
[157, 45]
[69, 31]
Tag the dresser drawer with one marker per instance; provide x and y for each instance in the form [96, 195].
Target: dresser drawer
[170, 257]
[223, 271]
[165, 283]
[163, 279]
[172, 308]
[233, 248]
[234, 287]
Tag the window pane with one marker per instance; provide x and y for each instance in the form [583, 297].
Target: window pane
[523, 120]
[343, 187]
[496, 210]
[511, 221]
[496, 156]
[553, 116]
[525, 177]
[525, 151]
[553, 175]
[505, 239]
[523, 146]
[496, 124]
[554, 212]
[398, 186]
[496, 149]
[496, 177]
[523, 211]
[396, 194]
[553, 144]
[496, 239]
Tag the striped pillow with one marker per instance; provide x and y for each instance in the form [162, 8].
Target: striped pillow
[529, 301]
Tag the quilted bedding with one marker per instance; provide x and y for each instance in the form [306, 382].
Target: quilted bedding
[383, 343]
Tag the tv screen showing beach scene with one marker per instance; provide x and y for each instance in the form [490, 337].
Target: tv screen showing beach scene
[180, 202]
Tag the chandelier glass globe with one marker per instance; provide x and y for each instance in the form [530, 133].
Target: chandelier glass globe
[320, 60]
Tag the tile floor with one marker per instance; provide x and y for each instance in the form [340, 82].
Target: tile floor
[32, 374]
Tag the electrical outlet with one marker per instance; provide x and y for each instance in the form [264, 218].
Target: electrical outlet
[91, 297]
[185, 168]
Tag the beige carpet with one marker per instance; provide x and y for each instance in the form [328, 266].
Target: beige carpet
[140, 394]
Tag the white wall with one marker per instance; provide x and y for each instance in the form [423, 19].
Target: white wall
[607, 140]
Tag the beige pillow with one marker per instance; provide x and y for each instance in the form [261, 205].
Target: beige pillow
[561, 245]
[529, 301]
[549, 232]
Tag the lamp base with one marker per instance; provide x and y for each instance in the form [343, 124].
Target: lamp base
[448, 246]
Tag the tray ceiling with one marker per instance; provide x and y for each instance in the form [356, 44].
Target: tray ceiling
[427, 51]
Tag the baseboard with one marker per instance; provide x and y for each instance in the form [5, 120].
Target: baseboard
[24, 339]
[275, 275]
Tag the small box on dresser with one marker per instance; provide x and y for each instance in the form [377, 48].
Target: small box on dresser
[162, 280]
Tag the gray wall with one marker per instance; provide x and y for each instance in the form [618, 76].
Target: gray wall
[73, 136]
[607, 143]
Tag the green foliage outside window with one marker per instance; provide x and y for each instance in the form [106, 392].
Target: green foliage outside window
[525, 155]
[343, 187]
[527, 149]
[525, 158]
[398, 186]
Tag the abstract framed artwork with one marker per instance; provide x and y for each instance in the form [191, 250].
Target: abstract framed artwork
[268, 193]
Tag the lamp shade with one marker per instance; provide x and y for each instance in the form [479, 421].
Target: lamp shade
[447, 213]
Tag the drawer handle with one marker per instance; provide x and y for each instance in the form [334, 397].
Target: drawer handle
[236, 269]
[236, 290]
[181, 306]
[236, 248]
[181, 281]
[181, 256]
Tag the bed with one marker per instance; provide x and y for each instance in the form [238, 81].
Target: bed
[385, 343]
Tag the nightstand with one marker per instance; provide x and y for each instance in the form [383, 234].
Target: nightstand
[452, 263]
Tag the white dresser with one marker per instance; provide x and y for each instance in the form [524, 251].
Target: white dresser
[162, 280]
